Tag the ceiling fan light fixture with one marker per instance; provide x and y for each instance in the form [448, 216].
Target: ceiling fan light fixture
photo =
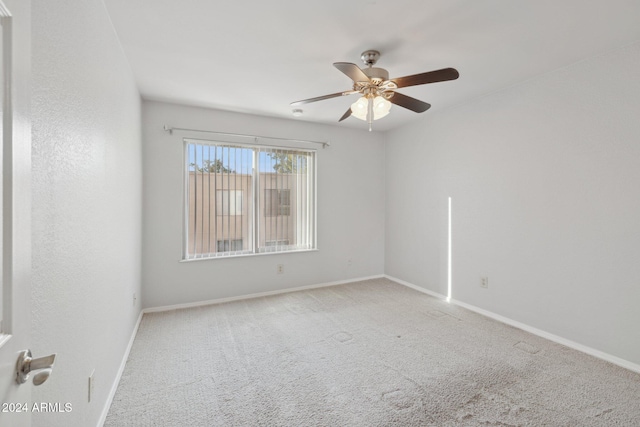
[359, 108]
[381, 108]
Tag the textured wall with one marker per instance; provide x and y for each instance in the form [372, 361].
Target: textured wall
[544, 181]
[350, 210]
[86, 204]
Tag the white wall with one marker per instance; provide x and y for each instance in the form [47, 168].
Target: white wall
[544, 179]
[350, 210]
[86, 204]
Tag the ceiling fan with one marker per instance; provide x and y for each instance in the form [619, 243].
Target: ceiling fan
[378, 91]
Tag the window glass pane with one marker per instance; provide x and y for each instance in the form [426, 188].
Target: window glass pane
[287, 186]
[276, 202]
[229, 245]
[229, 202]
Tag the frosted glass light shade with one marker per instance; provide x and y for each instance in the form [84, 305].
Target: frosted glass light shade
[381, 108]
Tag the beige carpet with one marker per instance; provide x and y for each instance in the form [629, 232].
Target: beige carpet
[371, 353]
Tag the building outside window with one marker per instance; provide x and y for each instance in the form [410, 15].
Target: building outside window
[277, 202]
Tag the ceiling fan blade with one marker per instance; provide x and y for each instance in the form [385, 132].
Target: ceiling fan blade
[345, 115]
[321, 98]
[352, 71]
[409, 103]
[428, 77]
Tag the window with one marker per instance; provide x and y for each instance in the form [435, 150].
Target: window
[275, 245]
[270, 243]
[242, 199]
[229, 245]
[277, 202]
[229, 202]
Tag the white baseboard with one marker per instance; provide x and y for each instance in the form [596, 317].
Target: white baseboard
[256, 295]
[116, 381]
[551, 337]
[415, 287]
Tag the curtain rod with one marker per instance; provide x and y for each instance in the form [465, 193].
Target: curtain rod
[171, 129]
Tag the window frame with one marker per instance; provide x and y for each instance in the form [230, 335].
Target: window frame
[252, 205]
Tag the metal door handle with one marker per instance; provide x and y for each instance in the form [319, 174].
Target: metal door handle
[27, 364]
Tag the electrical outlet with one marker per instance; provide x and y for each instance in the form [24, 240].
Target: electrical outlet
[349, 262]
[484, 282]
[91, 385]
[135, 298]
[280, 269]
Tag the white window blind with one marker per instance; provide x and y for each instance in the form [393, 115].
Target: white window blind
[242, 199]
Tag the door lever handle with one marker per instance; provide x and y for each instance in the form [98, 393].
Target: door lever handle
[43, 362]
[27, 364]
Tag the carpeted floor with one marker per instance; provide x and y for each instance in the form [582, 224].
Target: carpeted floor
[371, 353]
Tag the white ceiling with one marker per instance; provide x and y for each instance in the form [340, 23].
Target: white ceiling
[259, 56]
